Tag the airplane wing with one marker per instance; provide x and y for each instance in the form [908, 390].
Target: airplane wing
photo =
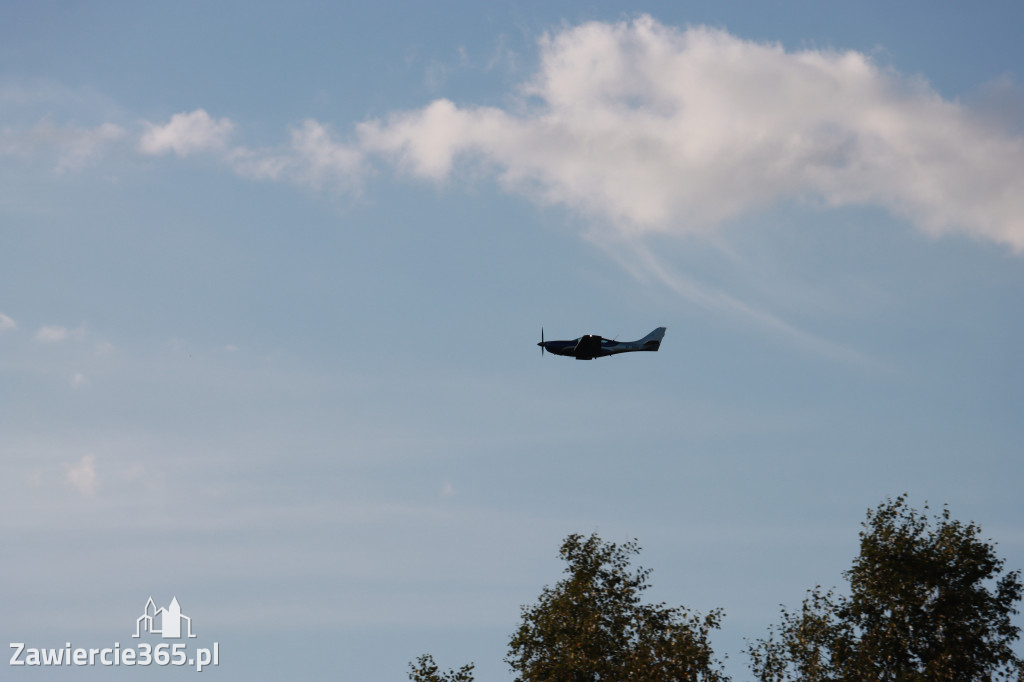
[588, 346]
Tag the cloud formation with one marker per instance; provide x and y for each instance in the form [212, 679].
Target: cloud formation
[654, 129]
[187, 133]
[313, 157]
[82, 475]
[52, 334]
[7, 324]
[74, 147]
[648, 128]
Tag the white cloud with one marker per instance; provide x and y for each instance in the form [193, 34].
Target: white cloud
[82, 475]
[79, 380]
[643, 263]
[73, 147]
[7, 324]
[648, 128]
[82, 147]
[313, 157]
[187, 133]
[52, 334]
[103, 348]
[426, 142]
[654, 129]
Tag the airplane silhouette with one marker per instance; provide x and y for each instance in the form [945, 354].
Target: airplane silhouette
[593, 346]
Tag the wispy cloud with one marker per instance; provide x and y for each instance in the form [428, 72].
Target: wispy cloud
[7, 324]
[314, 157]
[53, 333]
[646, 265]
[73, 147]
[83, 147]
[82, 475]
[103, 348]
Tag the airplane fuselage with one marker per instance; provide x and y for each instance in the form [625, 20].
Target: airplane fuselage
[592, 346]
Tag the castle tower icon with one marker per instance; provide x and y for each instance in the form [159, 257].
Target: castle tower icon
[169, 620]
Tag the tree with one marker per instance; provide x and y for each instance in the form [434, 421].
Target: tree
[593, 626]
[928, 601]
[425, 670]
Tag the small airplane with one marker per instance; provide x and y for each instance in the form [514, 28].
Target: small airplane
[592, 346]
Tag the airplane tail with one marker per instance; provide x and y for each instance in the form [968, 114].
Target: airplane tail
[653, 340]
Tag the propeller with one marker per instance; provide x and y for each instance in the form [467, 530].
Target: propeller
[541, 344]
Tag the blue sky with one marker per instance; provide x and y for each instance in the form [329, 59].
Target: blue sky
[271, 279]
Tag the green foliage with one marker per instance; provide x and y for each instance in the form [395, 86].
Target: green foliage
[593, 626]
[927, 602]
[425, 670]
